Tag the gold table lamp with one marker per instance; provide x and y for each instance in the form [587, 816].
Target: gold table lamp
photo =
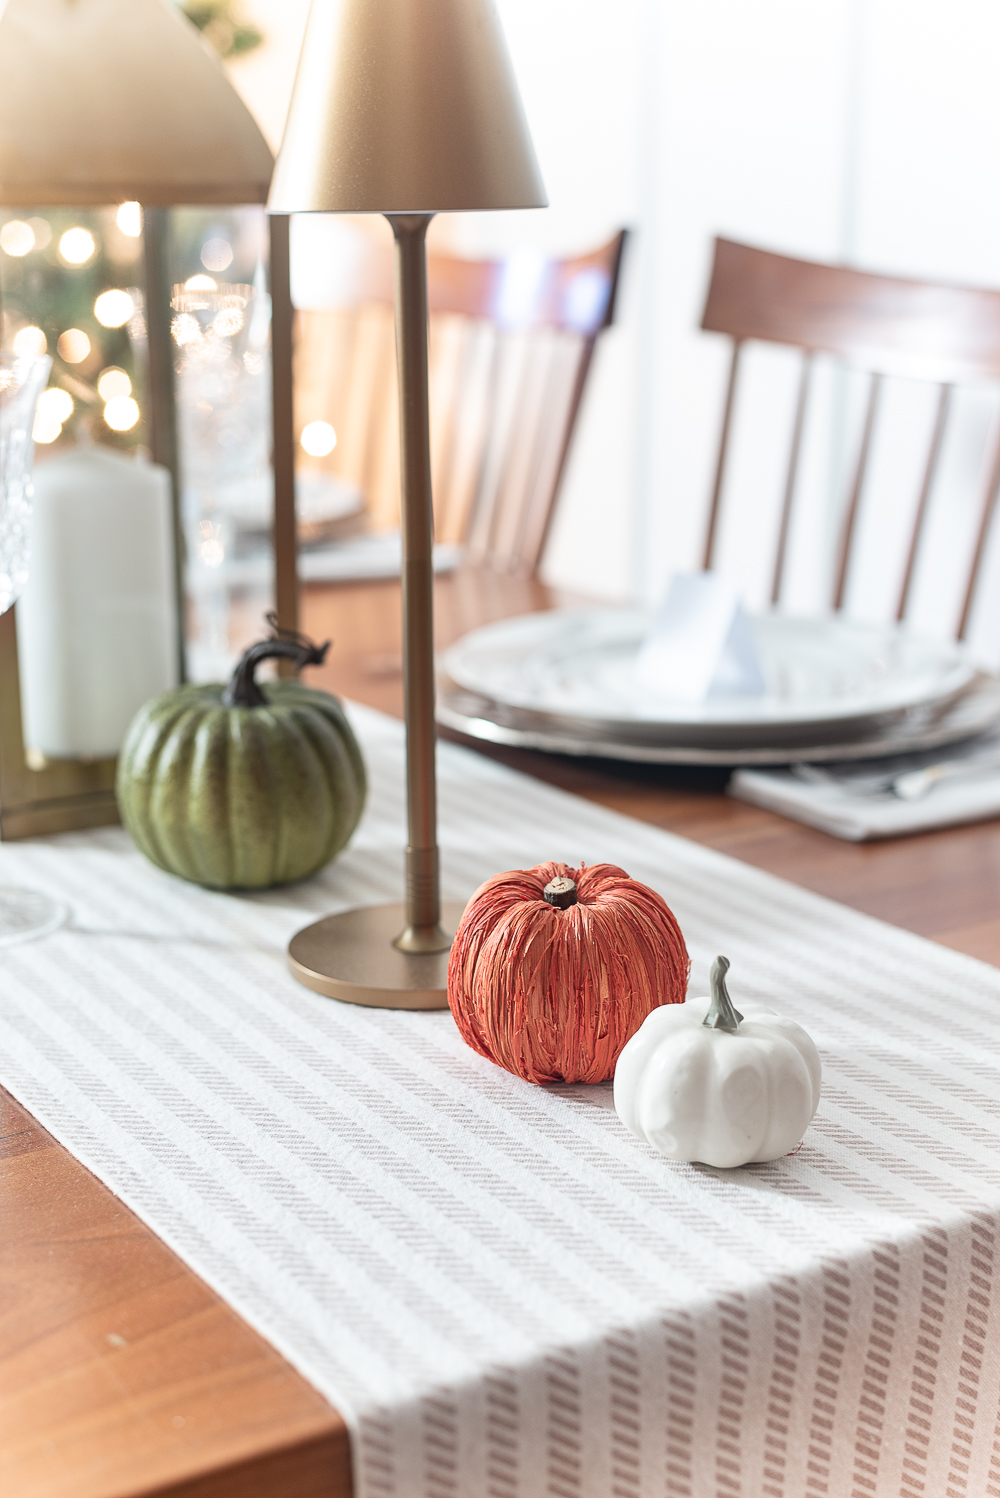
[405, 108]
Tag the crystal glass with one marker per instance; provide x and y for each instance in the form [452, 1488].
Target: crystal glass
[21, 383]
[221, 336]
[24, 913]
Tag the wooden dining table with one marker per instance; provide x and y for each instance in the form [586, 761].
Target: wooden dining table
[121, 1373]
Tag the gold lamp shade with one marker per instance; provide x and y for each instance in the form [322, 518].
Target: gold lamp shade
[405, 106]
[109, 100]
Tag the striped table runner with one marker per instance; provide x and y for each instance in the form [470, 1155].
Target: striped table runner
[504, 1292]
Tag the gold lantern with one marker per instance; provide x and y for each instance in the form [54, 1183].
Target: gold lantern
[105, 102]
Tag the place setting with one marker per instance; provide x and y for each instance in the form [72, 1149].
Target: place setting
[863, 729]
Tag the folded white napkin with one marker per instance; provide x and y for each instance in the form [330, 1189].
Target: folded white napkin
[857, 802]
[700, 643]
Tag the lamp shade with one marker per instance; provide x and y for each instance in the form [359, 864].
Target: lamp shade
[109, 100]
[405, 106]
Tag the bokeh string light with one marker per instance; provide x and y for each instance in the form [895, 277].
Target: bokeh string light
[45, 430]
[56, 403]
[211, 550]
[186, 330]
[54, 407]
[30, 343]
[217, 254]
[77, 246]
[227, 322]
[113, 308]
[129, 219]
[16, 238]
[121, 413]
[73, 346]
[318, 439]
[113, 383]
[42, 230]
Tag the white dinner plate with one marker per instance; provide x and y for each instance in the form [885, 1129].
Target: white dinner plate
[973, 711]
[574, 670]
[320, 498]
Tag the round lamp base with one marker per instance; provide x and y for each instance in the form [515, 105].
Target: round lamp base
[352, 957]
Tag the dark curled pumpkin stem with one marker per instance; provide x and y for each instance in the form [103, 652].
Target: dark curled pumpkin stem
[243, 690]
[279, 632]
[560, 892]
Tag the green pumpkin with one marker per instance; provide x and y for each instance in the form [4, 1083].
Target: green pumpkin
[244, 786]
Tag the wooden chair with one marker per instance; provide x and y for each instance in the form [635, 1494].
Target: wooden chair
[511, 344]
[884, 326]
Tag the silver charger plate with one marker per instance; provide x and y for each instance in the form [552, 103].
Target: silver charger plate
[572, 673]
[927, 726]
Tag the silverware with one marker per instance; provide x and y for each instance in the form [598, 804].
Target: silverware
[909, 784]
[916, 784]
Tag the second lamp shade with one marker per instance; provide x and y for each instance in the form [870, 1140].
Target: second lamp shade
[405, 106]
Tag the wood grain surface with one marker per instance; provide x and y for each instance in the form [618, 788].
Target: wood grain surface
[121, 1373]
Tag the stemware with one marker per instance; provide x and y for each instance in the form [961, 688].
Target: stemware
[24, 913]
[221, 332]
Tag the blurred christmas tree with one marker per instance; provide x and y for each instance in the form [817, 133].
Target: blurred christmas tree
[221, 23]
[70, 286]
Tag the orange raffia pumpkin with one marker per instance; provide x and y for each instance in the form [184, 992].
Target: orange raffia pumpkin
[553, 969]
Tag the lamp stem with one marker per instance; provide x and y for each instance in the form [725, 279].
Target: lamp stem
[286, 582]
[423, 932]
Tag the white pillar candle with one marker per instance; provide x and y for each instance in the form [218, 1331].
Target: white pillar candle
[97, 622]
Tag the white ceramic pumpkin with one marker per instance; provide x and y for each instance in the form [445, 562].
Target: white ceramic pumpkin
[700, 1081]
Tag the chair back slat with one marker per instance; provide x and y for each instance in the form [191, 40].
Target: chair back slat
[520, 458]
[346, 365]
[715, 504]
[504, 404]
[501, 417]
[857, 488]
[791, 477]
[557, 419]
[989, 505]
[446, 360]
[511, 452]
[923, 502]
[456, 478]
[531, 468]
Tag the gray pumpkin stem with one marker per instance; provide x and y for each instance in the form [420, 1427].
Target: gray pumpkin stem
[722, 1015]
[243, 690]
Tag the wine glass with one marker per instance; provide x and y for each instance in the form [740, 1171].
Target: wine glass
[24, 913]
[220, 331]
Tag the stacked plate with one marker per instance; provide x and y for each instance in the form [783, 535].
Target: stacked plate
[566, 681]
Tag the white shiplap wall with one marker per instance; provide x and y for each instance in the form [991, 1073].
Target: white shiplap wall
[862, 130]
